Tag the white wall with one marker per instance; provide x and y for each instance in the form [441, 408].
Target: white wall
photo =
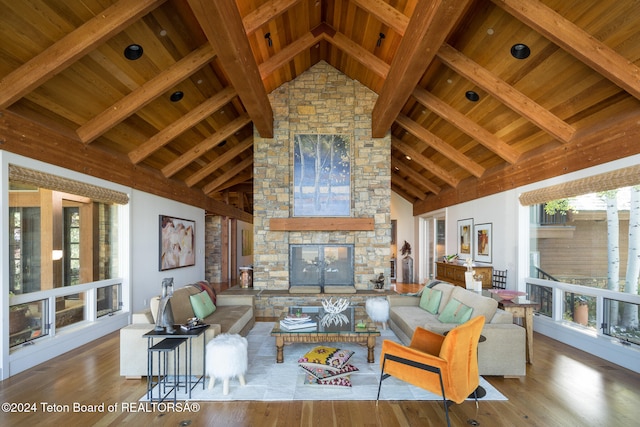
[146, 277]
[402, 211]
[501, 210]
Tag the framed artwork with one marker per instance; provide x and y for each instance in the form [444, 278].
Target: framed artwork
[321, 175]
[465, 242]
[177, 242]
[483, 236]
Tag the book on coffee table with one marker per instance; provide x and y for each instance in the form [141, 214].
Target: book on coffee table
[291, 325]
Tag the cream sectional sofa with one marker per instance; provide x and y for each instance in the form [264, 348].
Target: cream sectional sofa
[234, 314]
[503, 352]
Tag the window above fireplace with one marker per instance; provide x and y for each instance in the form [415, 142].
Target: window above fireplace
[322, 264]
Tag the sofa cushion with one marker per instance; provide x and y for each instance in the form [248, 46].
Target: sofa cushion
[430, 300]
[455, 312]
[482, 306]
[202, 304]
[231, 318]
[447, 290]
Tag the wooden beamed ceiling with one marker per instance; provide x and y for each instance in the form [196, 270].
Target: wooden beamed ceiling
[179, 121]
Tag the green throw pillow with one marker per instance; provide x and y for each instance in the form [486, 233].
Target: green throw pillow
[202, 305]
[430, 300]
[455, 312]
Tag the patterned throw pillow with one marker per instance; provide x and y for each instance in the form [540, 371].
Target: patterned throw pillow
[321, 373]
[335, 381]
[326, 357]
[430, 300]
[455, 312]
[202, 305]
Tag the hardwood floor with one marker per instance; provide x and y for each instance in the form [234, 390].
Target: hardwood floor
[565, 387]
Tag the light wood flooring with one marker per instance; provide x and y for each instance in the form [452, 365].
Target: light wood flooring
[565, 387]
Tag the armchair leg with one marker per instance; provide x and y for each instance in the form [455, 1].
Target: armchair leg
[418, 365]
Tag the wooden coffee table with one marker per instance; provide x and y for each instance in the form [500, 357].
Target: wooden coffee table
[327, 331]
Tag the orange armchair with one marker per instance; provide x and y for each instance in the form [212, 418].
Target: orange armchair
[444, 365]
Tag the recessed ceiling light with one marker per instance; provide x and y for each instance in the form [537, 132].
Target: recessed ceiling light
[163, 33]
[407, 157]
[176, 96]
[520, 51]
[396, 168]
[133, 52]
[472, 96]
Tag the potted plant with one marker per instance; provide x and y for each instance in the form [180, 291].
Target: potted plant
[581, 310]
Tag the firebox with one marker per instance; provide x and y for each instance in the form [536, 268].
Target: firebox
[321, 264]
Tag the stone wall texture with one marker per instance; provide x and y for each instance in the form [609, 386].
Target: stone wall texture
[321, 101]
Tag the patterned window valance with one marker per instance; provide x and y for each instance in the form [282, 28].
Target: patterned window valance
[603, 182]
[22, 175]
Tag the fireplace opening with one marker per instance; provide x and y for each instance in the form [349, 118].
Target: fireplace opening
[321, 265]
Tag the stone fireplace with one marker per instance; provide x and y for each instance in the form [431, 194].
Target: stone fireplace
[321, 101]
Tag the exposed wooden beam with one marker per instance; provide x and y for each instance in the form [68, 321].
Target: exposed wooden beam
[222, 25]
[199, 150]
[407, 186]
[606, 142]
[357, 52]
[402, 193]
[217, 183]
[506, 93]
[425, 162]
[414, 176]
[573, 39]
[26, 138]
[466, 125]
[219, 162]
[385, 13]
[265, 13]
[184, 123]
[146, 93]
[287, 54]
[71, 47]
[231, 182]
[428, 28]
[439, 145]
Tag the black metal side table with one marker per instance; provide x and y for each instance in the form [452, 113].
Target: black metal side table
[188, 336]
[167, 350]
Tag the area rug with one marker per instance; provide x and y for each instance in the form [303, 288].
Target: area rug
[267, 380]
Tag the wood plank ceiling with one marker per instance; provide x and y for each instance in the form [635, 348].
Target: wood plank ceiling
[69, 96]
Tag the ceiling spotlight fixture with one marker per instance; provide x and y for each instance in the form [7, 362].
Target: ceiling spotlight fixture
[133, 52]
[397, 169]
[381, 37]
[268, 37]
[176, 96]
[407, 157]
[520, 51]
[472, 96]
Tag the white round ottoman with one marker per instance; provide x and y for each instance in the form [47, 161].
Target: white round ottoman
[226, 358]
[378, 310]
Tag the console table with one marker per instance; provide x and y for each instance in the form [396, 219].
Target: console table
[454, 274]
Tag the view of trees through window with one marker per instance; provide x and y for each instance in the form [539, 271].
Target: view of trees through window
[592, 240]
